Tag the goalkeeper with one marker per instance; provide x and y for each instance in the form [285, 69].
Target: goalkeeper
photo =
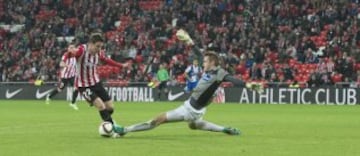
[194, 108]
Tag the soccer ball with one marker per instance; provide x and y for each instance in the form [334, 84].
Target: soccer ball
[106, 129]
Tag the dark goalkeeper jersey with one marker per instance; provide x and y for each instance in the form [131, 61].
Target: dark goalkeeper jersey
[206, 87]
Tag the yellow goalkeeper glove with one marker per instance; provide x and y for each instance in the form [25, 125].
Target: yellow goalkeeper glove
[182, 35]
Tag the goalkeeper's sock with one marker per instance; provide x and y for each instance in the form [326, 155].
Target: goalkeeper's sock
[208, 126]
[140, 127]
[53, 93]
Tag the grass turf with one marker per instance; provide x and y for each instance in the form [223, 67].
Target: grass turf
[32, 128]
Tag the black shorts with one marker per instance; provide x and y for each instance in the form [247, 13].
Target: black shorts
[93, 92]
[66, 82]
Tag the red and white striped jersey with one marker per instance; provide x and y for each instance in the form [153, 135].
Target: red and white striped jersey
[70, 70]
[86, 71]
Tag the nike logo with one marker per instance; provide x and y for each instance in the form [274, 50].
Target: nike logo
[40, 95]
[9, 95]
[172, 97]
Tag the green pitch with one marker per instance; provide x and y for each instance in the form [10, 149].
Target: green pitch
[31, 128]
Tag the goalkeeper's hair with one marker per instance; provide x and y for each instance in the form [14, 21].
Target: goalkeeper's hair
[212, 57]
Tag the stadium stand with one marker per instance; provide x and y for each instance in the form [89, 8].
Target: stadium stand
[313, 42]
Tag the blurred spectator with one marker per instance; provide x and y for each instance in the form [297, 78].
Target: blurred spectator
[314, 81]
[309, 32]
[268, 70]
[178, 68]
[255, 72]
[288, 72]
[163, 78]
[193, 74]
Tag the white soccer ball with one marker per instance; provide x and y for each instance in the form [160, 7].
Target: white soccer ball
[106, 129]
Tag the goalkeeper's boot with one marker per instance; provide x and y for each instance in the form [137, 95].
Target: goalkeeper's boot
[231, 131]
[118, 129]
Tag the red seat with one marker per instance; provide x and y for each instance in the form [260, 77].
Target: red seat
[305, 77]
[357, 66]
[336, 78]
[292, 62]
[327, 27]
[298, 78]
[301, 69]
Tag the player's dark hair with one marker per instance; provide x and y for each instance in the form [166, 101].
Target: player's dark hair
[212, 57]
[74, 42]
[96, 37]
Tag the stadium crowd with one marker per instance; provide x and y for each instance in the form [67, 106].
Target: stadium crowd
[312, 42]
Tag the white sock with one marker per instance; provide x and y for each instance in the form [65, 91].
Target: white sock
[139, 127]
[208, 126]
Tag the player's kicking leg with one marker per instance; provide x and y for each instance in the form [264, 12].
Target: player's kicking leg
[110, 108]
[182, 113]
[145, 125]
[106, 112]
[105, 106]
[208, 126]
[170, 116]
[175, 115]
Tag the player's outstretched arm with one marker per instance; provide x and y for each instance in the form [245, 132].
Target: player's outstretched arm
[258, 87]
[112, 62]
[75, 52]
[235, 81]
[62, 63]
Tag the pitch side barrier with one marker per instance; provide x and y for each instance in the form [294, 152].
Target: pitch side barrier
[140, 92]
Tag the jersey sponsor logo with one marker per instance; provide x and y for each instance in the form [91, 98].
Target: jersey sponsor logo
[206, 77]
[40, 95]
[9, 95]
[172, 97]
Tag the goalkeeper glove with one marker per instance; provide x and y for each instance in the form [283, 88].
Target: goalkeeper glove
[182, 35]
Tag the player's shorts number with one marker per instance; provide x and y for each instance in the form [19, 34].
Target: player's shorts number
[61, 85]
[87, 94]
